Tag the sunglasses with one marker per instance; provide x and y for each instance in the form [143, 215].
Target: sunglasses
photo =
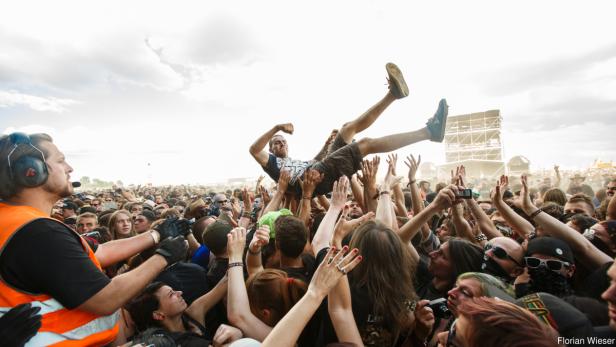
[500, 253]
[554, 265]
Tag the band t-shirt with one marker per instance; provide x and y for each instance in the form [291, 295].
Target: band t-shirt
[46, 257]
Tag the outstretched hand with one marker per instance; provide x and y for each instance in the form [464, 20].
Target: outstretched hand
[260, 239]
[526, 204]
[331, 270]
[236, 241]
[413, 166]
[312, 178]
[339, 192]
[446, 197]
[344, 226]
[283, 180]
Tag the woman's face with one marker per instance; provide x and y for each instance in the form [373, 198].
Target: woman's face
[171, 302]
[465, 289]
[440, 262]
[123, 224]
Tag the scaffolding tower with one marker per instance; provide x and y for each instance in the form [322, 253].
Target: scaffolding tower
[474, 140]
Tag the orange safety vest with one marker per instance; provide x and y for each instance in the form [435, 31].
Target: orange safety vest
[60, 326]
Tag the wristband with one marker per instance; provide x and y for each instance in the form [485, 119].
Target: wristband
[155, 238]
[306, 197]
[237, 263]
[534, 214]
[480, 237]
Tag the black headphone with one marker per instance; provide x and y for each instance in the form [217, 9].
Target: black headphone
[27, 171]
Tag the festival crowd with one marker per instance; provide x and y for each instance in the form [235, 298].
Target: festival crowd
[330, 255]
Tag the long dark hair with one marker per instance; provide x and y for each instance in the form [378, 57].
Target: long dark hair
[142, 307]
[387, 272]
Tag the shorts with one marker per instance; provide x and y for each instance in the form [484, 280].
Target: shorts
[343, 160]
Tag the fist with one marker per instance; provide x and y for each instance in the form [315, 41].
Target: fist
[287, 128]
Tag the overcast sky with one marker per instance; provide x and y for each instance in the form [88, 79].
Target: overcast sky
[189, 85]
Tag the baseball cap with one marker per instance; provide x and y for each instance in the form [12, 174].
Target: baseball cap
[69, 205]
[215, 236]
[552, 247]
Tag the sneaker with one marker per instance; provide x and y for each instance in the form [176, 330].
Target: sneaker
[397, 85]
[436, 124]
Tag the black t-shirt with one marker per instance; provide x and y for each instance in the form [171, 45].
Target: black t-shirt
[305, 272]
[188, 278]
[46, 257]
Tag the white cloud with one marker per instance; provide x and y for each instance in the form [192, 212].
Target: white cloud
[37, 103]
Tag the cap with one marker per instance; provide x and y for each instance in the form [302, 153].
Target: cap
[69, 205]
[269, 219]
[552, 247]
[215, 236]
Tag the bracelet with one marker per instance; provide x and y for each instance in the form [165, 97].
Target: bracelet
[154, 238]
[254, 253]
[246, 215]
[384, 192]
[480, 237]
[237, 263]
[534, 214]
[307, 197]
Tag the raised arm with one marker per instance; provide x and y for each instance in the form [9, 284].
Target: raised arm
[253, 256]
[311, 179]
[584, 250]
[520, 225]
[327, 275]
[558, 177]
[257, 149]
[444, 199]
[357, 191]
[283, 183]
[323, 152]
[369, 169]
[238, 306]
[325, 231]
[486, 226]
[418, 204]
[396, 189]
[205, 302]
[384, 209]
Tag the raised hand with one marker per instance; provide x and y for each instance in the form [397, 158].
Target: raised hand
[344, 227]
[331, 270]
[526, 203]
[287, 128]
[392, 160]
[260, 239]
[312, 178]
[236, 241]
[446, 197]
[283, 180]
[339, 193]
[413, 166]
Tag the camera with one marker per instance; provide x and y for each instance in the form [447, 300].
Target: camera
[464, 194]
[439, 308]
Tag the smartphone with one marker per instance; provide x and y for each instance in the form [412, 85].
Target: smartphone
[465, 194]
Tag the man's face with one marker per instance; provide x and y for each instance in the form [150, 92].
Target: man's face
[564, 270]
[578, 207]
[86, 224]
[440, 262]
[611, 189]
[159, 199]
[355, 211]
[279, 147]
[610, 295]
[136, 209]
[58, 181]
[512, 249]
[142, 224]
[222, 201]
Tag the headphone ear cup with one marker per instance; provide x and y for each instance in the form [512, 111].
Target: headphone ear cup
[30, 172]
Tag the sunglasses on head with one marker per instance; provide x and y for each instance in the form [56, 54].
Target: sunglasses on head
[500, 253]
[554, 265]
